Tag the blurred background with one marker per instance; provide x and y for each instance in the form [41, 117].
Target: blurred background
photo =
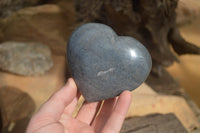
[33, 40]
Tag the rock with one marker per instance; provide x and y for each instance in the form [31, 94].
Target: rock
[25, 58]
[104, 64]
[48, 24]
[187, 11]
[40, 88]
[153, 123]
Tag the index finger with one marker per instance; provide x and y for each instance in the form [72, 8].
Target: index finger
[118, 114]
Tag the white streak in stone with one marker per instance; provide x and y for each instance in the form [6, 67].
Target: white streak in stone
[101, 73]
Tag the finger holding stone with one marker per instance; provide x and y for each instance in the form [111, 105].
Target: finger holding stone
[70, 108]
[115, 121]
[52, 109]
[104, 114]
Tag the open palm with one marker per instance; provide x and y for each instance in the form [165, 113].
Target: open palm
[55, 116]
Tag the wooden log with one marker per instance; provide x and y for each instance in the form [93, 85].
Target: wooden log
[154, 123]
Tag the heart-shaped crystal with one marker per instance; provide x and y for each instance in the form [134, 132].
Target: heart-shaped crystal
[104, 64]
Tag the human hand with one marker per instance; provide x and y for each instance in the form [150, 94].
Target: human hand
[55, 115]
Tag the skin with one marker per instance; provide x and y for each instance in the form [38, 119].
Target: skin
[55, 115]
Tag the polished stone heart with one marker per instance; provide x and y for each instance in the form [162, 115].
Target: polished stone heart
[104, 64]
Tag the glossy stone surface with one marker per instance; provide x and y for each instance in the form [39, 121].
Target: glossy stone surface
[104, 64]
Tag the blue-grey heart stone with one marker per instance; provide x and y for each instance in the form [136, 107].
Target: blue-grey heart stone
[104, 64]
